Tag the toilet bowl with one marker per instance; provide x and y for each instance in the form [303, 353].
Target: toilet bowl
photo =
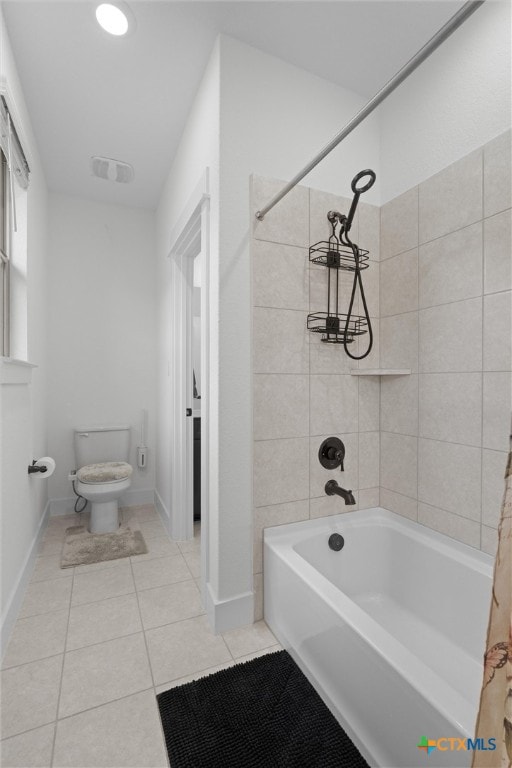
[103, 493]
[104, 474]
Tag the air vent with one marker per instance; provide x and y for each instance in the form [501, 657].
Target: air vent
[112, 170]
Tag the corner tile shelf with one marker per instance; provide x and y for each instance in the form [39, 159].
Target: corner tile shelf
[380, 372]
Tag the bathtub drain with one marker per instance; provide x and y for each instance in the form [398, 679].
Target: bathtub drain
[336, 541]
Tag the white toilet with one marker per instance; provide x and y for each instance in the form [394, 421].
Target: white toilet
[103, 473]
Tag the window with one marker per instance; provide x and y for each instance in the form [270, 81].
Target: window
[14, 173]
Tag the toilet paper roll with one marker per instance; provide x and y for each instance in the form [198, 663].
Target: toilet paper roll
[47, 462]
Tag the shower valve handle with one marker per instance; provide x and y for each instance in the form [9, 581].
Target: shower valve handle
[332, 453]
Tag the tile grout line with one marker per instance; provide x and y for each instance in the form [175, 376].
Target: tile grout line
[444, 304]
[27, 618]
[310, 273]
[143, 631]
[458, 373]
[176, 621]
[72, 570]
[113, 639]
[62, 669]
[89, 709]
[437, 440]
[29, 730]
[433, 506]
[227, 646]
[204, 669]
[55, 720]
[482, 245]
[440, 237]
[380, 357]
[418, 331]
[105, 704]
[33, 661]
[480, 295]
[119, 637]
[66, 651]
[98, 706]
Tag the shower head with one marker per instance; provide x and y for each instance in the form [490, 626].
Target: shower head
[346, 221]
[358, 191]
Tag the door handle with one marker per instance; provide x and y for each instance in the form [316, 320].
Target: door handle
[189, 412]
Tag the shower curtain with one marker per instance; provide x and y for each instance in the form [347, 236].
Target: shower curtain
[495, 713]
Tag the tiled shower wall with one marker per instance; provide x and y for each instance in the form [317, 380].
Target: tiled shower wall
[303, 390]
[431, 446]
[445, 309]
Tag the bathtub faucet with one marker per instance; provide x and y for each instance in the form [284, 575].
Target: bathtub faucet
[332, 487]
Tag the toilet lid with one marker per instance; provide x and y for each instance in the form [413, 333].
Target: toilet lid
[105, 472]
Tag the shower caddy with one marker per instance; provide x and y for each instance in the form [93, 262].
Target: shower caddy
[340, 253]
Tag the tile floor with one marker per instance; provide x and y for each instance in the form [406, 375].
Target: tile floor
[94, 644]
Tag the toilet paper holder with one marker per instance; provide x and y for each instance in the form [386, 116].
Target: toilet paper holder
[33, 468]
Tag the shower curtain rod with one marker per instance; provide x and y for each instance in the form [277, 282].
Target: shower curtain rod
[445, 31]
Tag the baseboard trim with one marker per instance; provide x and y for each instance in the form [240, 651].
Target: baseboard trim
[223, 615]
[66, 506]
[164, 513]
[16, 597]
[138, 496]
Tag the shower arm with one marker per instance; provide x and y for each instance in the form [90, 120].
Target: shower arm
[440, 36]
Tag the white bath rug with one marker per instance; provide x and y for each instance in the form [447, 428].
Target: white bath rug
[82, 547]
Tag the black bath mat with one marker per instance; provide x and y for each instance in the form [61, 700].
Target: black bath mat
[261, 714]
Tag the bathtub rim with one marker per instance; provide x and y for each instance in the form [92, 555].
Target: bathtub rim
[429, 684]
[474, 558]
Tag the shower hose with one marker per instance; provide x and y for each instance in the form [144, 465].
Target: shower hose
[357, 280]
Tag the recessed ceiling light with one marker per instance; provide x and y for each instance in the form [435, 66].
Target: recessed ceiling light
[113, 18]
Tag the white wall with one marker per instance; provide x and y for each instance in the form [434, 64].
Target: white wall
[455, 102]
[274, 118]
[265, 105]
[102, 332]
[23, 413]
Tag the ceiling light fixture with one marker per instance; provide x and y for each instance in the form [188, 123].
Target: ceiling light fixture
[115, 19]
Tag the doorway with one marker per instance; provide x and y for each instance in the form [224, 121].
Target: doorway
[196, 389]
[189, 379]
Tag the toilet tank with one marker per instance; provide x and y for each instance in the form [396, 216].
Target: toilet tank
[104, 443]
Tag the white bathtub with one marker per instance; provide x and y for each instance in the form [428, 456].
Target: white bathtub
[390, 630]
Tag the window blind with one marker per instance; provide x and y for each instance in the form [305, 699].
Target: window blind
[11, 146]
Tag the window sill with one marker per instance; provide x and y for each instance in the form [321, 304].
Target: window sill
[15, 371]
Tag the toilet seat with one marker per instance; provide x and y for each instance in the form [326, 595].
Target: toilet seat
[104, 472]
